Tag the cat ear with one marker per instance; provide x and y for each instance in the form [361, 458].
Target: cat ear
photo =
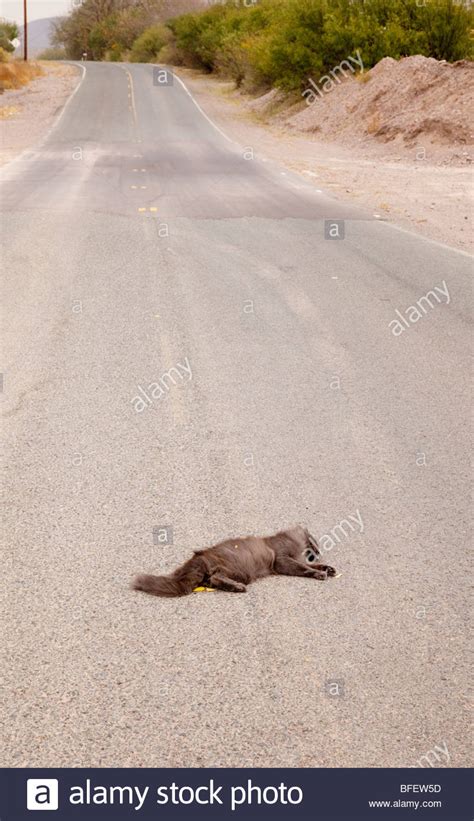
[298, 533]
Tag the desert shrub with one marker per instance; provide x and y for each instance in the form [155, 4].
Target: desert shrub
[290, 46]
[170, 54]
[448, 30]
[198, 36]
[114, 54]
[147, 47]
[231, 59]
[185, 30]
[18, 73]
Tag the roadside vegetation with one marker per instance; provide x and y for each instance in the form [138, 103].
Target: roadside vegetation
[17, 73]
[146, 47]
[265, 43]
[282, 43]
[14, 73]
[109, 29]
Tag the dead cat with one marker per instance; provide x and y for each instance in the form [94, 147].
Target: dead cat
[235, 563]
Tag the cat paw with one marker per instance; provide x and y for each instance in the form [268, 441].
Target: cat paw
[326, 568]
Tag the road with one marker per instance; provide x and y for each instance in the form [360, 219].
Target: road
[137, 239]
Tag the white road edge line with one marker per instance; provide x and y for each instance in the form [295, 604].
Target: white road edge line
[46, 136]
[426, 239]
[69, 99]
[229, 139]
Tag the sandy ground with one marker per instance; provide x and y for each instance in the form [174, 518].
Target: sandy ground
[26, 114]
[433, 200]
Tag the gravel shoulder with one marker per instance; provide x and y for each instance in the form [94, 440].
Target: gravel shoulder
[431, 199]
[26, 114]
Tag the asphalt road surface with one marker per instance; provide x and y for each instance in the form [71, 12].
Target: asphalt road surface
[138, 239]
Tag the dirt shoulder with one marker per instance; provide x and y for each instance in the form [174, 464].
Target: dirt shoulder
[26, 114]
[405, 185]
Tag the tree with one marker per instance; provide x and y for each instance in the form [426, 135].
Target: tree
[8, 32]
[103, 27]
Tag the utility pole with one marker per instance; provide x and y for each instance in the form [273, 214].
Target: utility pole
[25, 31]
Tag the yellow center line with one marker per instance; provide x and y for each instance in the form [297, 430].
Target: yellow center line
[133, 109]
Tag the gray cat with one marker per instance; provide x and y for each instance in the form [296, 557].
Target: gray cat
[233, 564]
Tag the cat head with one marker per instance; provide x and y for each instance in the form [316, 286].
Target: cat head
[309, 544]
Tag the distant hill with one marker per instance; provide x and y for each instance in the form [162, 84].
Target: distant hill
[39, 35]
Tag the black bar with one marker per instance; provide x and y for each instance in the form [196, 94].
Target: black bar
[238, 794]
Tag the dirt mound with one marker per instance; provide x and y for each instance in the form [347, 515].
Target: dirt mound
[417, 102]
[266, 104]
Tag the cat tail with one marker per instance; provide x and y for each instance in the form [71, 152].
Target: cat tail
[180, 583]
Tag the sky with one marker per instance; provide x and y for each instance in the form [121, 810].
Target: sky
[13, 9]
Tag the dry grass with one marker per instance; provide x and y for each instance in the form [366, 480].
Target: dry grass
[18, 73]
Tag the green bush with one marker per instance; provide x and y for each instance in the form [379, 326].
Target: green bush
[147, 47]
[114, 54]
[291, 47]
[231, 58]
[448, 30]
[102, 38]
[197, 36]
[284, 42]
[170, 55]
